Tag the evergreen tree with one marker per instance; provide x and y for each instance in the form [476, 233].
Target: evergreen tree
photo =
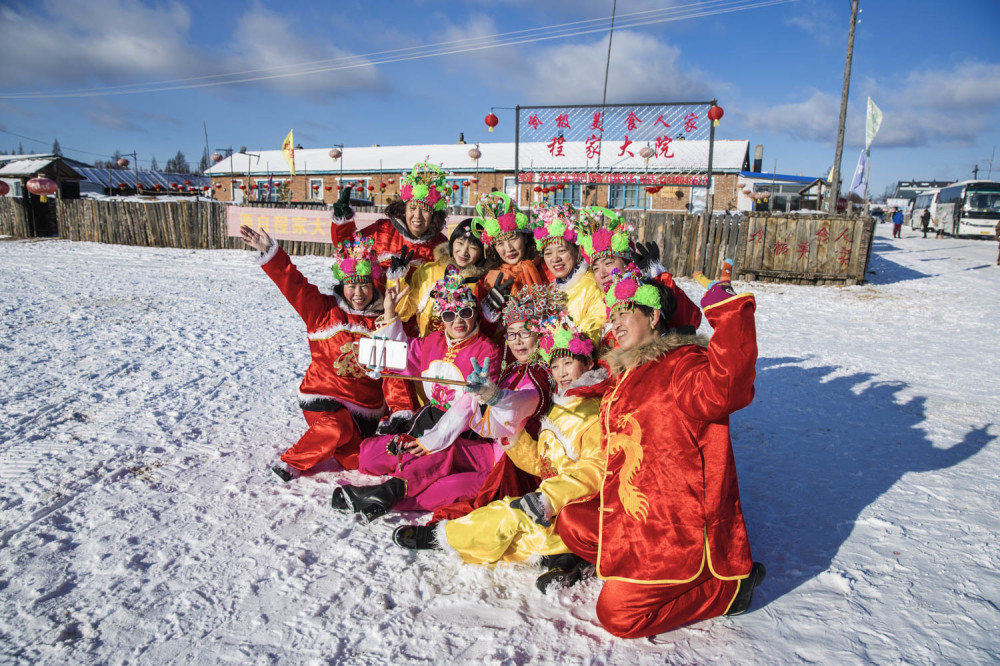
[20, 148]
[56, 149]
[153, 166]
[205, 161]
[178, 164]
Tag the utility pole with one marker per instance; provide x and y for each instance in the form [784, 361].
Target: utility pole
[835, 189]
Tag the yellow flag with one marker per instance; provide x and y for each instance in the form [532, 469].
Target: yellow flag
[829, 177]
[288, 151]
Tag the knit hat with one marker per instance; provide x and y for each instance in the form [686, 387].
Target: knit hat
[497, 218]
[627, 290]
[562, 339]
[356, 261]
[451, 293]
[604, 233]
[464, 230]
[552, 223]
[534, 304]
[426, 186]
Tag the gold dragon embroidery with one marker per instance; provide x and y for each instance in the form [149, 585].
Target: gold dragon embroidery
[347, 363]
[634, 502]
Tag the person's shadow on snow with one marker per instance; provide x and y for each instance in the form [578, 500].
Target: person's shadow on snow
[811, 454]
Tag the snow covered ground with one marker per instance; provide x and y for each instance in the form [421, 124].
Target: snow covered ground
[145, 391]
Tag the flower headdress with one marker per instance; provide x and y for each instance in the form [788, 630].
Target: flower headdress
[498, 218]
[425, 186]
[554, 223]
[604, 233]
[356, 261]
[451, 293]
[627, 290]
[562, 339]
[534, 304]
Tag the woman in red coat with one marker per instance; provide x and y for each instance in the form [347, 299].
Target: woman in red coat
[666, 531]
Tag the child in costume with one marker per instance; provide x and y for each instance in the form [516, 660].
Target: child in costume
[340, 402]
[428, 475]
[566, 454]
[556, 237]
[506, 233]
[666, 532]
[606, 241]
[463, 252]
[414, 221]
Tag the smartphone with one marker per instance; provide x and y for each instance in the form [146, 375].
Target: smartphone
[382, 354]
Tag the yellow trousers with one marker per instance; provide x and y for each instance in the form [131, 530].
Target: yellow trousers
[497, 532]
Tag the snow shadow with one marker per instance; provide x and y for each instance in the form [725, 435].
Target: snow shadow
[883, 270]
[813, 450]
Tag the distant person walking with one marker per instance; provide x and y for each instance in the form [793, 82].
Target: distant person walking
[897, 223]
[996, 234]
[925, 221]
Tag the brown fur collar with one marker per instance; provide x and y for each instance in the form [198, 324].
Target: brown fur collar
[620, 360]
[442, 255]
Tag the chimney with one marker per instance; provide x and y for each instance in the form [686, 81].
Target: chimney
[758, 157]
[461, 138]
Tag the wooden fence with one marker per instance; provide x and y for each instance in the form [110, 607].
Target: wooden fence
[15, 218]
[793, 249]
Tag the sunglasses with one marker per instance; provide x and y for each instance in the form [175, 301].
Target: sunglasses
[524, 334]
[448, 316]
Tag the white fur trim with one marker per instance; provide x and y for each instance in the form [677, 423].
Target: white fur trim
[402, 414]
[342, 220]
[442, 540]
[547, 505]
[270, 254]
[566, 442]
[656, 270]
[328, 333]
[570, 280]
[489, 313]
[397, 273]
[369, 413]
[590, 378]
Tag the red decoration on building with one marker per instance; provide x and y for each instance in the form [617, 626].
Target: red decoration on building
[315, 187]
[216, 157]
[690, 122]
[537, 188]
[327, 188]
[335, 153]
[491, 120]
[593, 146]
[562, 120]
[662, 146]
[454, 188]
[632, 121]
[661, 121]
[556, 146]
[715, 115]
[466, 183]
[242, 186]
[122, 162]
[596, 123]
[624, 148]
[121, 186]
[534, 121]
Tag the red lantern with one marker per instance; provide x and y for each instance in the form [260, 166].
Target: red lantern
[491, 120]
[121, 186]
[242, 186]
[474, 152]
[338, 188]
[537, 188]
[159, 187]
[204, 188]
[715, 114]
[646, 153]
[392, 180]
[216, 157]
[4, 188]
[42, 186]
[122, 162]
[371, 188]
[187, 182]
[335, 154]
[454, 188]
[474, 180]
[218, 186]
[315, 187]
[383, 186]
[328, 188]
[466, 183]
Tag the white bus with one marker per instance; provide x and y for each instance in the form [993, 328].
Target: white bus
[925, 201]
[969, 208]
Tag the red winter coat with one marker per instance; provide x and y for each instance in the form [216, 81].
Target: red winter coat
[670, 503]
[687, 313]
[333, 328]
[390, 236]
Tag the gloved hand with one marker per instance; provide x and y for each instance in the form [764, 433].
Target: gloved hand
[400, 261]
[537, 508]
[395, 425]
[499, 293]
[482, 385]
[646, 256]
[718, 290]
[342, 208]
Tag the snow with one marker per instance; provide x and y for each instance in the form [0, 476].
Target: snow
[145, 392]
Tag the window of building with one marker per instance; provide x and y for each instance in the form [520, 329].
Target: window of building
[569, 194]
[316, 188]
[627, 196]
[510, 187]
[458, 197]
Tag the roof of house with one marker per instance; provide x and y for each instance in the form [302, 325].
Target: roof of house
[31, 165]
[687, 156]
[783, 177]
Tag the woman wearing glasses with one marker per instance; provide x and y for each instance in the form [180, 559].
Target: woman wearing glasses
[425, 478]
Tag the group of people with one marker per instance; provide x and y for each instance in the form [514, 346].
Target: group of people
[557, 406]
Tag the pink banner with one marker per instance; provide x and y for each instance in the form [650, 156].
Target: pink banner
[614, 178]
[297, 224]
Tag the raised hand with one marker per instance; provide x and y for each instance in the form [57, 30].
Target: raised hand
[258, 241]
[393, 297]
[499, 293]
[481, 384]
[646, 255]
[718, 290]
[402, 260]
[342, 208]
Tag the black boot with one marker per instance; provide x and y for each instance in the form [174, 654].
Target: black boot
[370, 502]
[563, 570]
[416, 537]
[744, 596]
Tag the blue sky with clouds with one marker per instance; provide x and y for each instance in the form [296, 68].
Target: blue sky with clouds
[932, 67]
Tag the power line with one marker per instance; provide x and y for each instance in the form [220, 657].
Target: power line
[562, 31]
[64, 148]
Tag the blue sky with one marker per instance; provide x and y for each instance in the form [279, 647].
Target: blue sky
[932, 67]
